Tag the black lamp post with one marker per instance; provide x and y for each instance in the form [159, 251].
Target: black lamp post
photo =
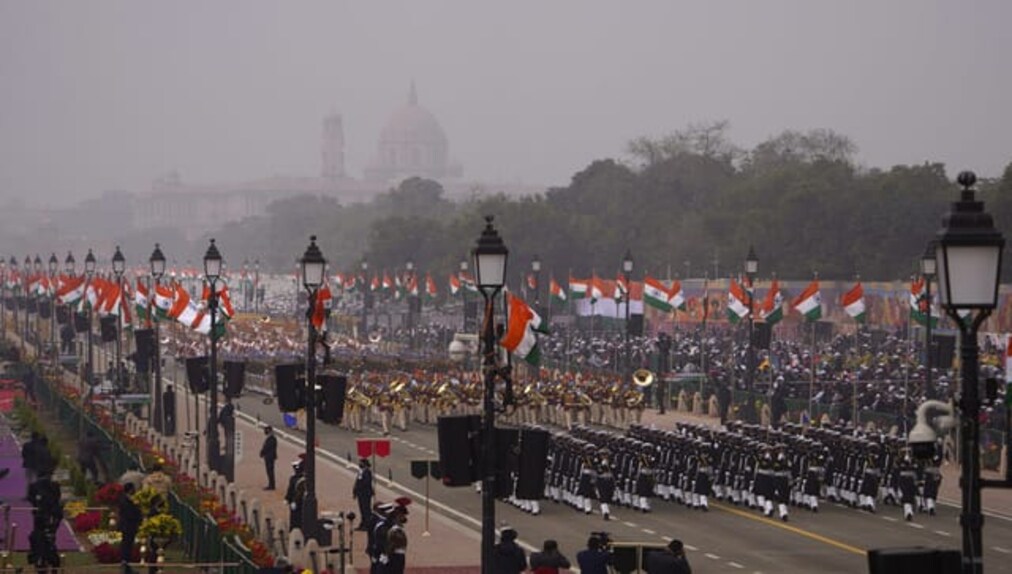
[490, 275]
[536, 269]
[928, 270]
[38, 315]
[412, 299]
[212, 272]
[89, 271]
[68, 270]
[157, 261]
[463, 292]
[118, 267]
[54, 266]
[3, 297]
[751, 269]
[627, 268]
[245, 280]
[968, 256]
[256, 286]
[313, 268]
[27, 297]
[366, 298]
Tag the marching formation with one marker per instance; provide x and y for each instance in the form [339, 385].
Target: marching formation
[764, 468]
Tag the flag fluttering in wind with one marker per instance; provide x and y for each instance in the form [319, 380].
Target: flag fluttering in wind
[656, 294]
[773, 305]
[521, 337]
[558, 293]
[737, 302]
[853, 303]
[809, 303]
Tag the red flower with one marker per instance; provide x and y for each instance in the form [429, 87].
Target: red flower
[87, 521]
[109, 493]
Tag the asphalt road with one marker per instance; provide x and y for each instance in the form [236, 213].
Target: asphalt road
[727, 538]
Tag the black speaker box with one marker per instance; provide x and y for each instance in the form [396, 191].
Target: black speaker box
[22, 303]
[107, 328]
[45, 309]
[62, 314]
[290, 386]
[943, 350]
[81, 322]
[198, 374]
[635, 325]
[333, 389]
[145, 342]
[235, 378]
[532, 464]
[915, 560]
[31, 305]
[459, 449]
[507, 459]
[761, 335]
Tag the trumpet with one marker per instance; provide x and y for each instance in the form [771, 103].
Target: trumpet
[643, 378]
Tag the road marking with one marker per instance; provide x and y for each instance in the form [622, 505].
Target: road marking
[890, 519]
[942, 533]
[690, 547]
[800, 531]
[735, 565]
[915, 525]
[712, 556]
[629, 524]
[1002, 550]
[669, 539]
[648, 531]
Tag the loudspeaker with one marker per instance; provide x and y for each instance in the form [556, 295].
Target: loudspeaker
[507, 459]
[145, 341]
[459, 449]
[943, 349]
[635, 325]
[290, 386]
[10, 303]
[198, 374]
[761, 334]
[532, 463]
[62, 314]
[107, 328]
[470, 309]
[235, 378]
[45, 309]
[333, 387]
[916, 560]
[31, 305]
[81, 322]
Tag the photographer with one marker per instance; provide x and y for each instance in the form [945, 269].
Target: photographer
[596, 558]
[507, 556]
[47, 512]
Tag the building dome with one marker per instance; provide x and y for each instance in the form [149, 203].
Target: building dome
[412, 143]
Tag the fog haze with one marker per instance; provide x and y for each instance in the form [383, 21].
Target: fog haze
[104, 95]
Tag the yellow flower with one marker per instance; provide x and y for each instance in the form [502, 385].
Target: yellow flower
[75, 508]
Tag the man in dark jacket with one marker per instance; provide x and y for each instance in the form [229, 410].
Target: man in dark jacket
[507, 556]
[363, 492]
[269, 452]
[549, 560]
[594, 559]
[671, 560]
[87, 456]
[129, 523]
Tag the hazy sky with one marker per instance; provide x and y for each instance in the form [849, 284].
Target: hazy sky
[98, 95]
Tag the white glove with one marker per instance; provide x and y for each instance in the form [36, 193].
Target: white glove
[292, 505]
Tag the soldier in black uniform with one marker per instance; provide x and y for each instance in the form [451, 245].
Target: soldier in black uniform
[605, 485]
[295, 494]
[47, 512]
[363, 492]
[907, 482]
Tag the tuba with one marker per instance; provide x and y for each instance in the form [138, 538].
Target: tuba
[643, 378]
[375, 337]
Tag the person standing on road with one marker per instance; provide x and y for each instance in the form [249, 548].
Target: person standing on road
[507, 556]
[269, 452]
[549, 560]
[671, 560]
[129, 523]
[363, 493]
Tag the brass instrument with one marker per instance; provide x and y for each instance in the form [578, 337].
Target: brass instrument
[358, 397]
[633, 399]
[643, 378]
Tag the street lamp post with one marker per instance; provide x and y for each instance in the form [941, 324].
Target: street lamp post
[313, 268]
[89, 271]
[245, 280]
[490, 275]
[68, 268]
[256, 286]
[3, 297]
[463, 291]
[118, 267]
[411, 299]
[928, 269]
[536, 269]
[212, 272]
[627, 268]
[366, 298]
[54, 266]
[968, 257]
[751, 268]
[157, 261]
[16, 292]
[38, 314]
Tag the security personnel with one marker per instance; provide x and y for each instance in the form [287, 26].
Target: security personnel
[363, 492]
[295, 494]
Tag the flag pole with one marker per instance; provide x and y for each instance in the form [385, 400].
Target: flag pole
[811, 384]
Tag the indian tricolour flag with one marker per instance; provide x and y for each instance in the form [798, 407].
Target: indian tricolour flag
[920, 307]
[596, 289]
[521, 336]
[853, 302]
[656, 294]
[141, 300]
[676, 297]
[71, 290]
[164, 295]
[579, 288]
[737, 302]
[809, 303]
[558, 293]
[773, 304]
[454, 284]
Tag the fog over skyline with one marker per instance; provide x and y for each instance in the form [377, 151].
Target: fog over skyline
[109, 95]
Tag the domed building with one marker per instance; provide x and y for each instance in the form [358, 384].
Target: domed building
[411, 144]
